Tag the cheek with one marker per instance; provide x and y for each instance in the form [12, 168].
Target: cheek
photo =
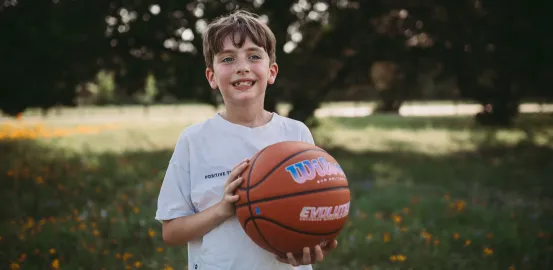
[262, 72]
[223, 75]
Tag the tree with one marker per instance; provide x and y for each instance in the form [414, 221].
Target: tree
[323, 46]
[51, 47]
[496, 50]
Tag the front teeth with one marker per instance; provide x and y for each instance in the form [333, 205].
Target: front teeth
[245, 83]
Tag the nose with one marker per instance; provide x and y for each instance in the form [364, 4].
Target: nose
[242, 66]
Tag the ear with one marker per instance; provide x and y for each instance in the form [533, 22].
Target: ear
[273, 71]
[210, 75]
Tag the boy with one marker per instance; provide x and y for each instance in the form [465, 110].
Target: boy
[196, 200]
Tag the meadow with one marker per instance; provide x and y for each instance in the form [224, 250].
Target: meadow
[427, 192]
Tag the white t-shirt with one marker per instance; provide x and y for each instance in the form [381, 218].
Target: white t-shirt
[204, 155]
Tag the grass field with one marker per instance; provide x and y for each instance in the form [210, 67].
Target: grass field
[428, 193]
[195, 111]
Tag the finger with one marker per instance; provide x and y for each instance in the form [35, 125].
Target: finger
[330, 247]
[241, 168]
[318, 254]
[240, 163]
[291, 259]
[233, 185]
[236, 172]
[306, 255]
[232, 198]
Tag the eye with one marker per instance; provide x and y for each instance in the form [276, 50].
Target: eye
[227, 59]
[255, 57]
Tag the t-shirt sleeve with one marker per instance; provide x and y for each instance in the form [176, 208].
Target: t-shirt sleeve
[306, 135]
[174, 196]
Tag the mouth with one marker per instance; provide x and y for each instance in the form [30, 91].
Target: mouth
[243, 83]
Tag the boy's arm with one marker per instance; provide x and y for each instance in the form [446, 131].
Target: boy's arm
[180, 230]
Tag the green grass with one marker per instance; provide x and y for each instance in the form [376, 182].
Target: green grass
[427, 193]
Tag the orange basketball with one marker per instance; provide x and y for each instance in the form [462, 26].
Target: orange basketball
[293, 195]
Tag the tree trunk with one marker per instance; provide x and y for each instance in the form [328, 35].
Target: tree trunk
[504, 104]
[389, 102]
[303, 107]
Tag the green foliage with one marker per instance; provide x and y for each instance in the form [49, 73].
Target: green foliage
[101, 91]
[429, 229]
[150, 91]
[106, 88]
[94, 212]
[336, 43]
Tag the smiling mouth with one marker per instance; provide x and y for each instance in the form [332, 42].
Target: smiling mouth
[243, 83]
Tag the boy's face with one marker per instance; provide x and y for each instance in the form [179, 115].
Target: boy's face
[241, 74]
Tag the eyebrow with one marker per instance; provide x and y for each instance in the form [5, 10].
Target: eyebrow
[250, 49]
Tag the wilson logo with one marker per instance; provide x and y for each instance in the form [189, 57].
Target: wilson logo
[307, 170]
[310, 213]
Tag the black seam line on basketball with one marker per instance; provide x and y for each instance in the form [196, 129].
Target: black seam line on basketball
[251, 168]
[291, 195]
[290, 228]
[278, 166]
[250, 208]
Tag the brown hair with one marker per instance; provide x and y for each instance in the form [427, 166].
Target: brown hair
[240, 22]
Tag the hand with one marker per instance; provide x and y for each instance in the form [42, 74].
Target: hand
[226, 204]
[308, 256]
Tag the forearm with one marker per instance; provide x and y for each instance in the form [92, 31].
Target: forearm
[181, 230]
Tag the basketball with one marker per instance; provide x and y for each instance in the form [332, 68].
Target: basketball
[293, 195]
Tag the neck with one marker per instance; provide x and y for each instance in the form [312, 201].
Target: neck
[249, 116]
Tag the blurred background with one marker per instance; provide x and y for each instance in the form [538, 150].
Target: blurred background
[440, 112]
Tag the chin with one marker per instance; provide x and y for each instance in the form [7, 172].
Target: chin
[246, 97]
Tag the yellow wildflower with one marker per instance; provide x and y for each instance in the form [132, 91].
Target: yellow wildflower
[386, 237]
[39, 180]
[55, 264]
[126, 256]
[397, 219]
[460, 205]
[401, 257]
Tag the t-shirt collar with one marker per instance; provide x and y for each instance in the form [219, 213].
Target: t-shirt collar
[236, 127]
